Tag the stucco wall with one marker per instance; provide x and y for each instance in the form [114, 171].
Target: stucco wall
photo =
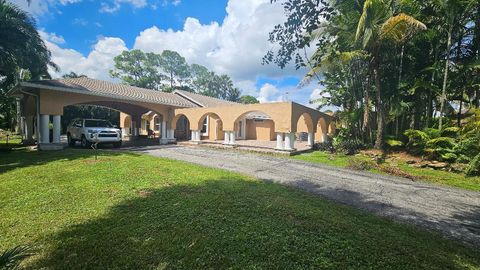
[261, 130]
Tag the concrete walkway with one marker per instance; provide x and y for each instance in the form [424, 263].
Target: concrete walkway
[453, 212]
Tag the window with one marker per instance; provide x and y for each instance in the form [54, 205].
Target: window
[204, 130]
[157, 123]
[97, 123]
[147, 125]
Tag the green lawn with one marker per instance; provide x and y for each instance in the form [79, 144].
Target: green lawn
[139, 212]
[422, 174]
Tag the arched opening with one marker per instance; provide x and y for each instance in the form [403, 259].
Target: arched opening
[304, 127]
[211, 127]
[126, 124]
[182, 128]
[151, 125]
[89, 111]
[321, 134]
[332, 128]
[255, 125]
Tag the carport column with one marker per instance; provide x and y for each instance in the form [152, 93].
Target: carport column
[163, 139]
[310, 139]
[232, 138]
[226, 138]
[196, 135]
[44, 131]
[289, 141]
[29, 129]
[56, 128]
[171, 135]
[279, 141]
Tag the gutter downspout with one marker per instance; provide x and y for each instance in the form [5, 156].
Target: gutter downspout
[37, 105]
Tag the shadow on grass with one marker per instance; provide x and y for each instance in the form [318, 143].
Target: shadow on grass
[232, 223]
[23, 158]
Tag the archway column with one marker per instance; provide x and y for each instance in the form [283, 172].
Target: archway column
[196, 136]
[289, 141]
[29, 129]
[56, 128]
[280, 136]
[163, 138]
[44, 130]
[310, 140]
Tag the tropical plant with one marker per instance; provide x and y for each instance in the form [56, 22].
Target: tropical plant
[11, 258]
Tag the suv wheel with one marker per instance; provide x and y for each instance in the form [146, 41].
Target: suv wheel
[117, 144]
[70, 140]
[85, 142]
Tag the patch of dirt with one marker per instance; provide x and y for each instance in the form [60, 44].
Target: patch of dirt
[145, 193]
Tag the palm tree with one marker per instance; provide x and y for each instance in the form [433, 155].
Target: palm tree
[376, 25]
[20, 44]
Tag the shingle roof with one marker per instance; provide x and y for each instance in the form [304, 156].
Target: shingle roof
[86, 85]
[202, 100]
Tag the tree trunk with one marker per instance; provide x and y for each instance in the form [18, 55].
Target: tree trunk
[459, 115]
[379, 105]
[445, 77]
[366, 113]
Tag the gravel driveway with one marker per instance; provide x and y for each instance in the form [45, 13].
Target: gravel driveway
[453, 212]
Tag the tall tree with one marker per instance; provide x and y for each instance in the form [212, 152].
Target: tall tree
[137, 68]
[175, 67]
[21, 49]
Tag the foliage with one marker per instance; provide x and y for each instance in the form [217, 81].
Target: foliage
[387, 65]
[416, 138]
[23, 55]
[394, 144]
[473, 168]
[170, 71]
[11, 258]
[247, 99]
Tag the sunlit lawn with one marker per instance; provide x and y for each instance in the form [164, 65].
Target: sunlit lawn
[139, 212]
[421, 174]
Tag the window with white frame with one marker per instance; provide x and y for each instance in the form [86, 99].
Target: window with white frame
[204, 129]
[157, 123]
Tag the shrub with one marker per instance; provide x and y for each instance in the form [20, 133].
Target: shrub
[441, 142]
[469, 147]
[452, 132]
[432, 132]
[360, 164]
[473, 168]
[325, 146]
[449, 157]
[349, 146]
[416, 138]
[394, 144]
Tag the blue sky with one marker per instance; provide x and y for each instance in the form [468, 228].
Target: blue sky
[227, 36]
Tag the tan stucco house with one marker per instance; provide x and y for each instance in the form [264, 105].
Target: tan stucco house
[169, 117]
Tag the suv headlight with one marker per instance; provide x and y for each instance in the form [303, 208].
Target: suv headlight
[92, 131]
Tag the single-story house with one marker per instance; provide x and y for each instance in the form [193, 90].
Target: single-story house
[180, 115]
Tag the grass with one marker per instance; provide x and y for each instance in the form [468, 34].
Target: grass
[134, 211]
[422, 174]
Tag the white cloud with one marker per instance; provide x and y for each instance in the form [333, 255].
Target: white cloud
[52, 37]
[235, 47]
[96, 65]
[80, 21]
[267, 93]
[116, 5]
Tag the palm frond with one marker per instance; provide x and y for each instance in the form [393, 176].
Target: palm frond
[400, 27]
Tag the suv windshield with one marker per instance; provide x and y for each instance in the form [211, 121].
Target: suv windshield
[97, 123]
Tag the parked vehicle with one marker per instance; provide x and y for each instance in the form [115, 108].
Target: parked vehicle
[87, 131]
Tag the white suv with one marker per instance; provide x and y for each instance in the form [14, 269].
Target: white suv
[86, 130]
